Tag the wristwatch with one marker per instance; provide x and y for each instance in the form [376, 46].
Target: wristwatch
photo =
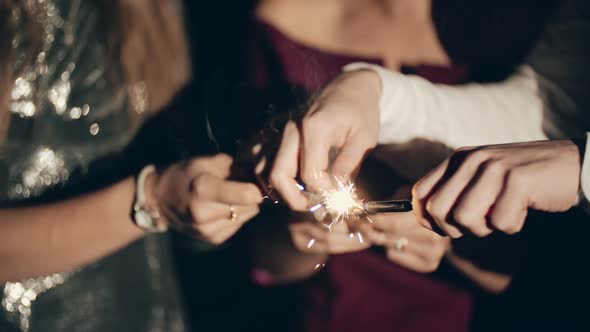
[144, 216]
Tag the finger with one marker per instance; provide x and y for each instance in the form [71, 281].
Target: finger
[284, 170]
[219, 165]
[511, 208]
[207, 211]
[421, 216]
[350, 158]
[378, 238]
[313, 230]
[461, 171]
[422, 243]
[410, 261]
[212, 229]
[342, 248]
[421, 191]
[424, 186]
[308, 237]
[478, 198]
[398, 221]
[350, 239]
[317, 142]
[207, 186]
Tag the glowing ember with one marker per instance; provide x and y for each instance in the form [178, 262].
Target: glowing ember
[342, 202]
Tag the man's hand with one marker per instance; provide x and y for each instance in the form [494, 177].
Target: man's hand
[492, 187]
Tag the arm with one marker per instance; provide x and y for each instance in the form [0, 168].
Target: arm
[63, 236]
[471, 114]
[192, 196]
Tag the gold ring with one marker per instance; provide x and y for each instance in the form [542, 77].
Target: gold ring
[233, 215]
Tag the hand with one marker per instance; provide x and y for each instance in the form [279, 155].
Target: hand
[407, 243]
[492, 187]
[311, 236]
[197, 196]
[345, 117]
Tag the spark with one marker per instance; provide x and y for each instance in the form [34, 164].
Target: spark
[316, 207]
[361, 240]
[342, 203]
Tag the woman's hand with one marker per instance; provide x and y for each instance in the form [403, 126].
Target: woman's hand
[344, 118]
[197, 196]
[407, 243]
[492, 187]
[311, 236]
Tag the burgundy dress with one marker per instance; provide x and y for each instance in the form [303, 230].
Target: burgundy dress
[364, 291]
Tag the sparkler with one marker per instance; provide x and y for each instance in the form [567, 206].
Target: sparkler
[342, 204]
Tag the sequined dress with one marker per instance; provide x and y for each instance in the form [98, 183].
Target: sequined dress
[69, 108]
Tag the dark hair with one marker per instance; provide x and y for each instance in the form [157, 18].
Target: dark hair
[493, 37]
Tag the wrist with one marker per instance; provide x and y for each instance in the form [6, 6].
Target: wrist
[146, 210]
[369, 83]
[392, 98]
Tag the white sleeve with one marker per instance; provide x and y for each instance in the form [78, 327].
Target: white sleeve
[463, 115]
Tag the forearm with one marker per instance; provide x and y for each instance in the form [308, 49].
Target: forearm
[63, 236]
[471, 114]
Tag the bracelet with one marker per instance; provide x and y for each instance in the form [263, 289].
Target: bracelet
[145, 217]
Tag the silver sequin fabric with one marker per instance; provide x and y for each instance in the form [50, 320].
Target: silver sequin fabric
[69, 107]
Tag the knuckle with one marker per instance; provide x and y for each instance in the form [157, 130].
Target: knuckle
[435, 240]
[391, 255]
[275, 177]
[514, 179]
[496, 167]
[222, 157]
[198, 212]
[201, 184]
[478, 156]
[196, 164]
[434, 207]
[464, 217]
[432, 265]
[506, 226]
[310, 123]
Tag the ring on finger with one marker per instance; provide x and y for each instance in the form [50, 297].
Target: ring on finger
[401, 244]
[233, 215]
